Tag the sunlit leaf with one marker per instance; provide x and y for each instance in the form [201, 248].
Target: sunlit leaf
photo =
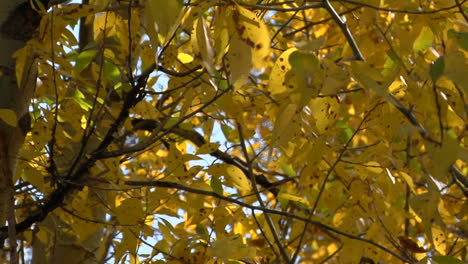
[238, 177]
[254, 33]
[208, 148]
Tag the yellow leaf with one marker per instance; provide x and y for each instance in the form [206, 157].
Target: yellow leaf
[146, 109]
[34, 176]
[287, 125]
[373, 167]
[195, 12]
[221, 33]
[208, 148]
[442, 157]
[253, 31]
[201, 44]
[165, 231]
[21, 55]
[426, 207]
[105, 22]
[335, 79]
[439, 239]
[239, 60]
[325, 111]
[371, 79]
[277, 83]
[163, 14]
[238, 177]
[77, 10]
[130, 211]
[292, 197]
[8, 116]
[184, 57]
[232, 248]
[304, 80]
[407, 178]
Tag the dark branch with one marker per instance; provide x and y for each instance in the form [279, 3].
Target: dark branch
[354, 46]
[319, 224]
[414, 12]
[198, 140]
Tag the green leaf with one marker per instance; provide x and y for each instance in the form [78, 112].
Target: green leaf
[228, 133]
[84, 59]
[446, 260]
[462, 38]
[111, 72]
[81, 100]
[393, 56]
[437, 69]
[424, 40]
[216, 185]
[288, 170]
[202, 230]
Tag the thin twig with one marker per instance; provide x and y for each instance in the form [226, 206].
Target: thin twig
[264, 235]
[439, 111]
[460, 9]
[141, 147]
[330, 170]
[313, 23]
[273, 230]
[198, 140]
[281, 9]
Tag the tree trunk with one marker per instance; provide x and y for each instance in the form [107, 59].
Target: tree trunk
[17, 24]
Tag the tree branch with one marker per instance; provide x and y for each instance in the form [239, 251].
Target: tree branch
[198, 140]
[354, 46]
[419, 12]
[319, 224]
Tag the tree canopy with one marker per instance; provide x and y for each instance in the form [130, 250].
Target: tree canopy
[235, 132]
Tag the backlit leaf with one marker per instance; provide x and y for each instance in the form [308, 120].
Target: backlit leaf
[239, 179]
[163, 13]
[239, 60]
[84, 59]
[232, 248]
[424, 40]
[208, 148]
[277, 84]
[254, 33]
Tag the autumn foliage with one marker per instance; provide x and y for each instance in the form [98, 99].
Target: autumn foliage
[245, 132]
